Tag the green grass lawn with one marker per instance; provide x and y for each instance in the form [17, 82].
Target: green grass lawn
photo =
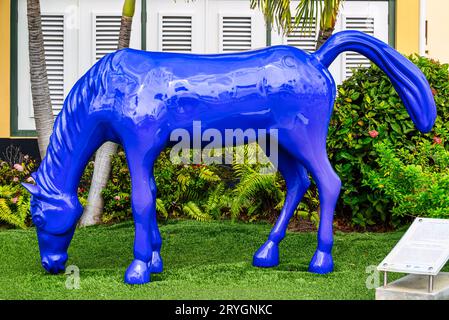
[202, 261]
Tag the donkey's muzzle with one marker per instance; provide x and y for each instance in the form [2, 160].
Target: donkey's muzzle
[54, 263]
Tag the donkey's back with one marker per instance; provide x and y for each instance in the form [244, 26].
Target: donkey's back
[264, 84]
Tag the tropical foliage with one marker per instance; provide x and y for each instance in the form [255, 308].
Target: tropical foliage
[14, 206]
[416, 180]
[369, 110]
[306, 12]
[14, 200]
[237, 191]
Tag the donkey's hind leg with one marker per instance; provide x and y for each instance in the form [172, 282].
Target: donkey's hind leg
[312, 154]
[297, 182]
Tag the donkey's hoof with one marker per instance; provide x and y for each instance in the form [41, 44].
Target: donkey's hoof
[156, 265]
[137, 273]
[321, 263]
[267, 256]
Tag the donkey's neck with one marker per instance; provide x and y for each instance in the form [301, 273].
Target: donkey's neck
[75, 138]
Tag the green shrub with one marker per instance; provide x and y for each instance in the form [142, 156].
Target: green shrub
[416, 182]
[367, 110]
[15, 200]
[183, 190]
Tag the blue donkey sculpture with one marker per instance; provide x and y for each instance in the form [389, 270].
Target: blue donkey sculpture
[138, 98]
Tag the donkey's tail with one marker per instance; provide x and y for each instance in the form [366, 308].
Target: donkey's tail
[410, 83]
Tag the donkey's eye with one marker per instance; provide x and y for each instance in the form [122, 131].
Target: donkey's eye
[34, 206]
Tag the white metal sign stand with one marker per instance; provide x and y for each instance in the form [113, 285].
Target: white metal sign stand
[423, 250]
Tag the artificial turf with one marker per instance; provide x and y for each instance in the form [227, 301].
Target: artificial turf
[202, 260]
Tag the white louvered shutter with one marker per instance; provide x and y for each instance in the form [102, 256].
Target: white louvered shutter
[107, 31]
[354, 60]
[53, 33]
[304, 36]
[76, 33]
[176, 33]
[236, 33]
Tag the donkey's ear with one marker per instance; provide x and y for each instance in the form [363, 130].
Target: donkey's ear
[31, 188]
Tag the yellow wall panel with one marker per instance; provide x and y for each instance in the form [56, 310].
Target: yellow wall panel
[407, 26]
[4, 68]
[438, 30]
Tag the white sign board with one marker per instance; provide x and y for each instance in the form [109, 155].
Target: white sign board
[424, 249]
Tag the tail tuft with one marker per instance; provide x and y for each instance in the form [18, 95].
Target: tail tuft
[410, 83]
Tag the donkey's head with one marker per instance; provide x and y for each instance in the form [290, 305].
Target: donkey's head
[55, 218]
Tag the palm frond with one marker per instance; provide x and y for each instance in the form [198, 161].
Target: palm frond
[305, 12]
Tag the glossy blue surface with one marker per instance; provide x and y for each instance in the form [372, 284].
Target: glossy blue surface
[138, 98]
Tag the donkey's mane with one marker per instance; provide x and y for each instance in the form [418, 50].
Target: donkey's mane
[65, 131]
[69, 126]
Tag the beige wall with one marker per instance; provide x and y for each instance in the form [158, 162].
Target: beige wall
[438, 30]
[4, 68]
[407, 26]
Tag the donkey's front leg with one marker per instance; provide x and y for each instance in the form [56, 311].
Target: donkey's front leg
[155, 264]
[143, 200]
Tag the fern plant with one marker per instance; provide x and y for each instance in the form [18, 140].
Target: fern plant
[308, 208]
[161, 208]
[256, 191]
[192, 210]
[14, 206]
[219, 201]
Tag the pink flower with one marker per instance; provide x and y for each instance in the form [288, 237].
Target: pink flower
[18, 167]
[434, 92]
[373, 134]
[30, 180]
[437, 140]
[15, 179]
[14, 200]
[117, 198]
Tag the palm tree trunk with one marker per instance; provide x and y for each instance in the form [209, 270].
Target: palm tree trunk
[323, 35]
[43, 113]
[102, 168]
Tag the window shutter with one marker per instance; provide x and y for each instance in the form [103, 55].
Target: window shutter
[107, 31]
[53, 33]
[354, 60]
[176, 33]
[304, 36]
[236, 33]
